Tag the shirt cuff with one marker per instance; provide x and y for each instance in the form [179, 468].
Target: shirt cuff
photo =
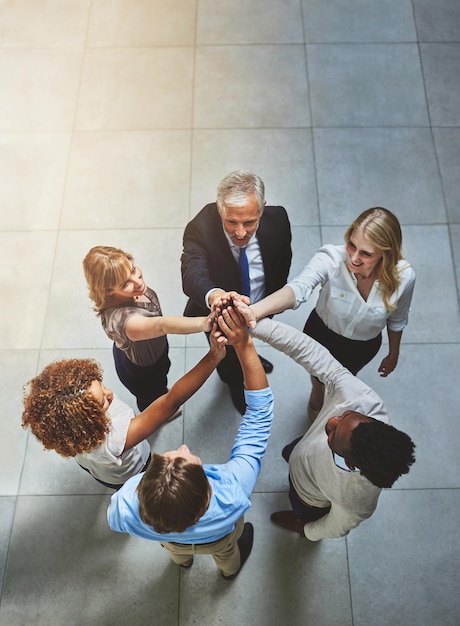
[206, 298]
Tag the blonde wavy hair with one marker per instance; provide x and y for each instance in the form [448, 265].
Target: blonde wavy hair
[383, 230]
[60, 410]
[105, 268]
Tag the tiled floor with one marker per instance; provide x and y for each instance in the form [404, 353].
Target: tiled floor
[117, 120]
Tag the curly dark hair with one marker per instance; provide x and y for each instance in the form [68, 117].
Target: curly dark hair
[381, 452]
[60, 410]
[173, 494]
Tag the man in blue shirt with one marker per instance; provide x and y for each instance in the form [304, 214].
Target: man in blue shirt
[193, 508]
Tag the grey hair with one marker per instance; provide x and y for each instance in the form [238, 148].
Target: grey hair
[234, 189]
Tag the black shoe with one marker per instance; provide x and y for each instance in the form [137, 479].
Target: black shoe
[245, 545]
[237, 393]
[268, 367]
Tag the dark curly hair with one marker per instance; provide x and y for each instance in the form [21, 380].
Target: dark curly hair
[173, 494]
[60, 410]
[381, 452]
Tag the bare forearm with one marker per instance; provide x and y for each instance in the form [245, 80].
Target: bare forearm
[186, 386]
[394, 341]
[276, 302]
[139, 328]
[253, 372]
[161, 409]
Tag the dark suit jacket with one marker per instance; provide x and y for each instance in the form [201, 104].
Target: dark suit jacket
[207, 260]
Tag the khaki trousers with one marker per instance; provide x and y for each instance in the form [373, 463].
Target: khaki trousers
[225, 551]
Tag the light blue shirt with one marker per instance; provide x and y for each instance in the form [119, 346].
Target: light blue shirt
[232, 483]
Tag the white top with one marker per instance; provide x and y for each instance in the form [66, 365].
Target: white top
[316, 478]
[108, 462]
[340, 305]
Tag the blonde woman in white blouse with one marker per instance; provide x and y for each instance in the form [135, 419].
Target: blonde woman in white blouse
[366, 285]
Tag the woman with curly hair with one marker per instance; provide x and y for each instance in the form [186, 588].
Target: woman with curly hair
[131, 316]
[366, 285]
[68, 409]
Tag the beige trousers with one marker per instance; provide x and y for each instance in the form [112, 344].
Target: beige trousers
[225, 551]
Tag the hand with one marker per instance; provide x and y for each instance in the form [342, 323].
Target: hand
[233, 327]
[221, 300]
[245, 311]
[387, 365]
[208, 323]
[217, 347]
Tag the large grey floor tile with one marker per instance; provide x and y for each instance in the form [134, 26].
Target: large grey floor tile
[135, 89]
[403, 561]
[27, 271]
[33, 176]
[17, 367]
[358, 168]
[38, 88]
[282, 157]
[441, 69]
[250, 86]
[344, 91]
[67, 566]
[422, 397]
[49, 24]
[142, 23]
[447, 141]
[286, 580]
[359, 21]
[128, 180]
[70, 321]
[455, 239]
[7, 506]
[434, 313]
[241, 22]
[305, 242]
[437, 21]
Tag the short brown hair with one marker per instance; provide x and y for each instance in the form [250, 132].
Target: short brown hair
[173, 494]
[60, 410]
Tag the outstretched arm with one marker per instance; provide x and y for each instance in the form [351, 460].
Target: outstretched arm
[251, 440]
[138, 327]
[155, 415]
[308, 353]
[276, 302]
[233, 325]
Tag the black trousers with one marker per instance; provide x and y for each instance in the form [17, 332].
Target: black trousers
[300, 508]
[353, 354]
[146, 383]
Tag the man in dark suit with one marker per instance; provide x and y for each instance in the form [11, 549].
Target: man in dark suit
[215, 242]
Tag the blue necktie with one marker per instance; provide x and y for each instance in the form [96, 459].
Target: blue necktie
[244, 273]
